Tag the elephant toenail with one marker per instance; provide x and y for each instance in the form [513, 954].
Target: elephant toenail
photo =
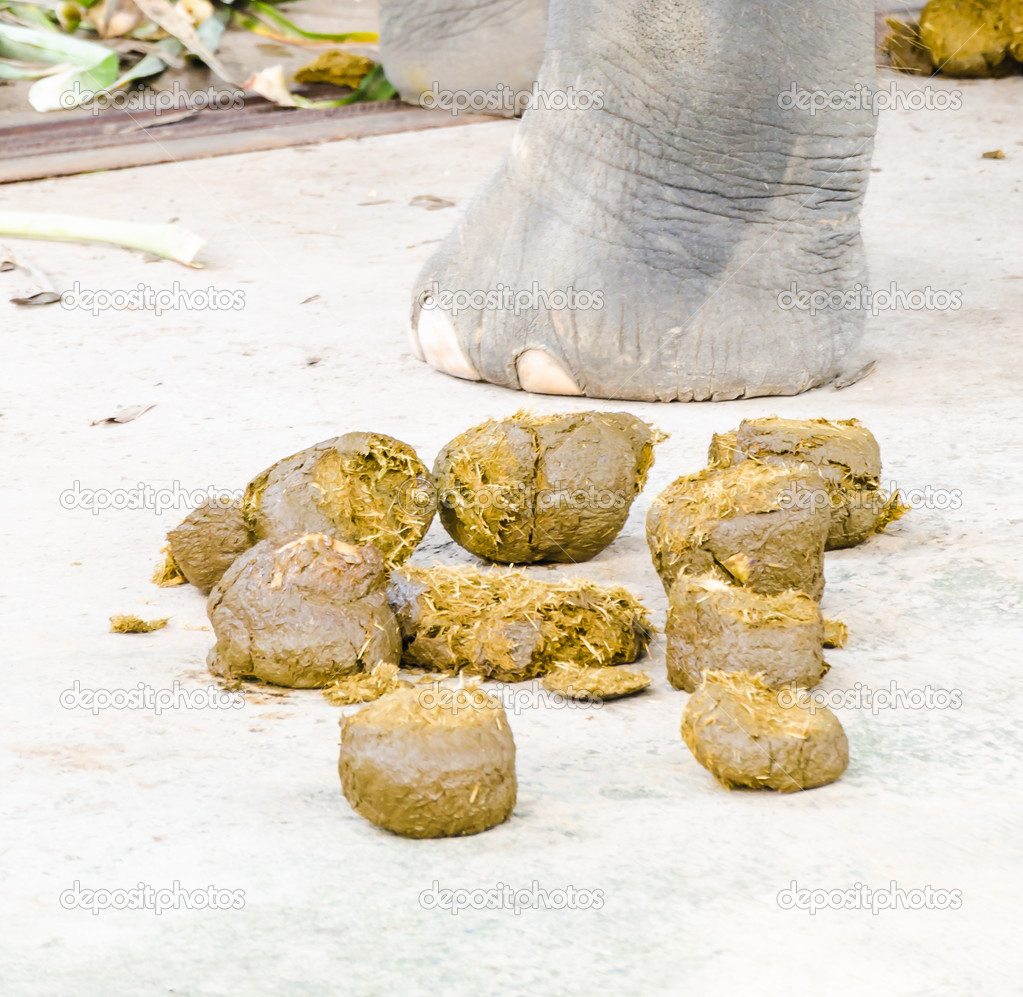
[438, 343]
[541, 374]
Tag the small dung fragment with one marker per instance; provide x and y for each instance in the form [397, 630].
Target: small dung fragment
[361, 488]
[594, 684]
[742, 523]
[746, 734]
[127, 623]
[714, 626]
[836, 633]
[993, 154]
[510, 627]
[366, 686]
[845, 454]
[543, 488]
[302, 612]
[425, 765]
[341, 69]
[167, 574]
[207, 541]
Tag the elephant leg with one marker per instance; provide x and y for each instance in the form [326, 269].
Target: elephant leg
[490, 48]
[646, 233]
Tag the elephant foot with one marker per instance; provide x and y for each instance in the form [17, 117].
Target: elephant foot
[658, 243]
[435, 342]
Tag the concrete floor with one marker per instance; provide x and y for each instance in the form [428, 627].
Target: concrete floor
[609, 799]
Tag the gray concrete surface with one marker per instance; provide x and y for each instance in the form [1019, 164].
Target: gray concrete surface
[248, 799]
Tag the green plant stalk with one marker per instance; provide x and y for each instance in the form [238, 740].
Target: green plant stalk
[271, 14]
[172, 242]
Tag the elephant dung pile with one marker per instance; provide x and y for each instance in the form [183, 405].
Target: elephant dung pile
[594, 684]
[978, 38]
[739, 547]
[207, 542]
[846, 456]
[426, 766]
[543, 488]
[505, 625]
[742, 523]
[747, 734]
[302, 612]
[713, 626]
[361, 488]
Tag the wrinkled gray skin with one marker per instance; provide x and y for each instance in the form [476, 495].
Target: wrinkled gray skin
[689, 201]
[472, 47]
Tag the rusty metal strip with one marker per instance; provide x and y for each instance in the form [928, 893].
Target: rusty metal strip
[121, 138]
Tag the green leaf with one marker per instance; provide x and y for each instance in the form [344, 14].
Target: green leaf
[271, 84]
[30, 15]
[149, 65]
[374, 86]
[82, 67]
[209, 31]
[175, 23]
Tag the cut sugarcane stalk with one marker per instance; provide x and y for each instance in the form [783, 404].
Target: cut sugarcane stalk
[172, 242]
